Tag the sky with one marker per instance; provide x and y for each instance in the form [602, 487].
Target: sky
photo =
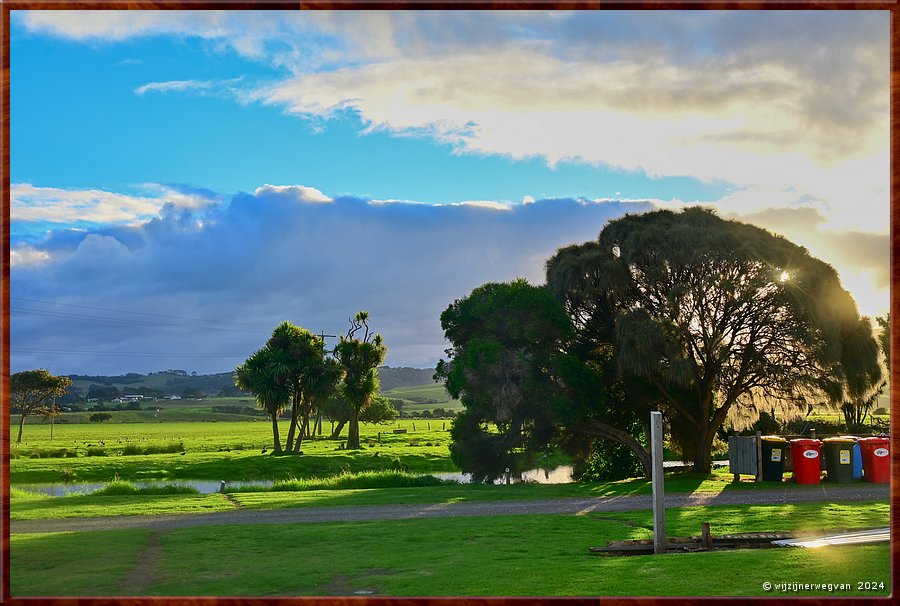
[183, 181]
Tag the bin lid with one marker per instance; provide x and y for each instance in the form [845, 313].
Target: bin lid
[854, 438]
[773, 439]
[806, 442]
[875, 440]
[842, 440]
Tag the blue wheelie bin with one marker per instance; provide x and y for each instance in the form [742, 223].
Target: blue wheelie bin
[857, 458]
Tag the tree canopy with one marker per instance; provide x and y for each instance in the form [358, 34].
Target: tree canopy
[702, 318]
[31, 393]
[707, 317]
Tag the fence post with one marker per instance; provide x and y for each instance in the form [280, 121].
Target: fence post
[758, 441]
[659, 507]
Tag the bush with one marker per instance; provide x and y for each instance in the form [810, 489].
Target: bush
[95, 451]
[134, 449]
[610, 461]
[51, 453]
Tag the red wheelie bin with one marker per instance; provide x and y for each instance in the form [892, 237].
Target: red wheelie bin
[876, 456]
[806, 454]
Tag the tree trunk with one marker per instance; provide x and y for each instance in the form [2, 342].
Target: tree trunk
[304, 430]
[353, 433]
[337, 432]
[703, 451]
[293, 427]
[318, 423]
[277, 445]
[21, 424]
[623, 437]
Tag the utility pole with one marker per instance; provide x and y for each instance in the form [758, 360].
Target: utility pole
[659, 507]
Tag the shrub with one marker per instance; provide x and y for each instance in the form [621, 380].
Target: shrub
[134, 449]
[95, 451]
[610, 461]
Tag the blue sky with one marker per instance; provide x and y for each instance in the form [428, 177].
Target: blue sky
[209, 140]
[253, 167]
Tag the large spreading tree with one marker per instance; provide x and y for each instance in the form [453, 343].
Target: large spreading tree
[31, 392]
[707, 318]
[507, 340]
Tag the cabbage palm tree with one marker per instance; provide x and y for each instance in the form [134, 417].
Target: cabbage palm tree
[360, 359]
[260, 375]
[298, 352]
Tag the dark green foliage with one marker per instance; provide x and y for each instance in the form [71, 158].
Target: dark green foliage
[506, 340]
[95, 451]
[100, 417]
[380, 410]
[610, 461]
[134, 449]
[51, 453]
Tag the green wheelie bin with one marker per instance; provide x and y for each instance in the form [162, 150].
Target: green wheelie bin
[774, 449]
[839, 459]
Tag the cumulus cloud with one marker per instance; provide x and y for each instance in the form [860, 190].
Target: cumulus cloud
[67, 206]
[283, 252]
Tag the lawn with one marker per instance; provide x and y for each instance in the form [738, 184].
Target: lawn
[358, 490]
[507, 555]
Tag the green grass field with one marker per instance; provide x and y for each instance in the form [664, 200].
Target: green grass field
[229, 451]
[529, 555]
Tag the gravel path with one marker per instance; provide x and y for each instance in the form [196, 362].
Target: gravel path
[794, 494]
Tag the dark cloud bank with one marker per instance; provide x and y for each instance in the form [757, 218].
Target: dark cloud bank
[214, 282]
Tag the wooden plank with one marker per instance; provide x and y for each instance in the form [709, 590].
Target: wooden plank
[659, 505]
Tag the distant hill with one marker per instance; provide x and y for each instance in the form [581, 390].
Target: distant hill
[403, 376]
[176, 382]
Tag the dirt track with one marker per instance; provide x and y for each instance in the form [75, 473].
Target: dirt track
[794, 494]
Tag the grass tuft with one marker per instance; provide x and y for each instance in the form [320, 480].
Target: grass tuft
[122, 488]
[348, 481]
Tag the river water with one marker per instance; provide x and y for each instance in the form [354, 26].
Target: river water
[558, 475]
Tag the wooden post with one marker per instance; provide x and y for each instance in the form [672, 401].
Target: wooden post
[758, 456]
[705, 536]
[732, 456]
[659, 507]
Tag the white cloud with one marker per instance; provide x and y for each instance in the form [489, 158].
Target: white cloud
[25, 255]
[65, 206]
[299, 192]
[173, 85]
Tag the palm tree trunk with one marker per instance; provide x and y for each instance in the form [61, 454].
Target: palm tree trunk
[293, 427]
[335, 432]
[353, 434]
[277, 445]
